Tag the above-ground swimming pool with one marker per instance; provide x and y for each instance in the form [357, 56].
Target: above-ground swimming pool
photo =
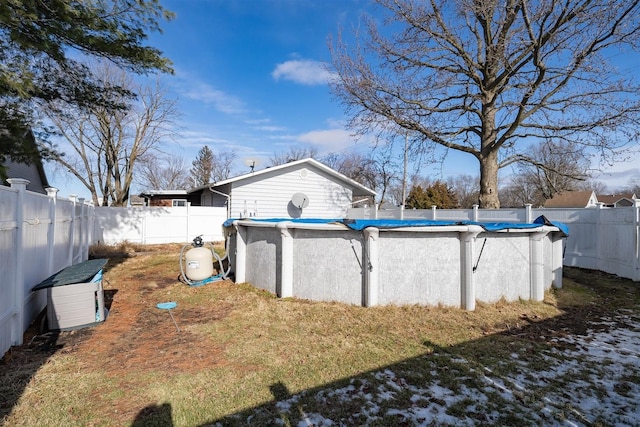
[383, 262]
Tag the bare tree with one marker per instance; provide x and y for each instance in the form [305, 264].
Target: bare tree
[597, 187]
[466, 189]
[223, 165]
[484, 77]
[163, 172]
[553, 166]
[106, 145]
[376, 170]
[546, 169]
[633, 186]
[519, 192]
[294, 153]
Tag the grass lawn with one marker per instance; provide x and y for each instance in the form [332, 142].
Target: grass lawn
[244, 357]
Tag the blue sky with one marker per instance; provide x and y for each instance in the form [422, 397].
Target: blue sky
[249, 77]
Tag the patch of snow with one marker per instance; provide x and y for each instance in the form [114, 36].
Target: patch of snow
[594, 379]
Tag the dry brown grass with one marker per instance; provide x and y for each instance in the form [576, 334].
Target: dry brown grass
[235, 344]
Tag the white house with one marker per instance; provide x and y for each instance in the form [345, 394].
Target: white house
[300, 189]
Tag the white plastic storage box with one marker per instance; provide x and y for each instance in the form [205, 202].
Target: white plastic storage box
[75, 297]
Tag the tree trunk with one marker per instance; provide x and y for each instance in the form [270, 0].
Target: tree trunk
[489, 181]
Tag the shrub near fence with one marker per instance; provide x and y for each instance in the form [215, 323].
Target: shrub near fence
[39, 236]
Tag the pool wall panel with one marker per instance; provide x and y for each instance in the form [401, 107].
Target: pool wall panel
[422, 269]
[262, 257]
[327, 265]
[503, 269]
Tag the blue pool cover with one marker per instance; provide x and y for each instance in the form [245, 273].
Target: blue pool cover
[361, 224]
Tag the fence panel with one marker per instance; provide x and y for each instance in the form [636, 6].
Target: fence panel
[153, 225]
[8, 260]
[617, 242]
[580, 248]
[39, 236]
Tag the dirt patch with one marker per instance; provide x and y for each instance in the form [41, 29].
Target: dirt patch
[146, 338]
[136, 333]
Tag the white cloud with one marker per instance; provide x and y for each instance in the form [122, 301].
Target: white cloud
[328, 140]
[616, 178]
[620, 174]
[303, 71]
[271, 128]
[200, 138]
[221, 101]
[257, 121]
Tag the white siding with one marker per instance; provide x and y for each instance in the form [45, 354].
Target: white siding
[269, 196]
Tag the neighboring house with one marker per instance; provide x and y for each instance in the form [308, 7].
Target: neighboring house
[33, 171]
[572, 199]
[617, 200]
[168, 198]
[136, 201]
[302, 188]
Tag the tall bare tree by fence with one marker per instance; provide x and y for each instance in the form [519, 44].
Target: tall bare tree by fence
[487, 78]
[106, 145]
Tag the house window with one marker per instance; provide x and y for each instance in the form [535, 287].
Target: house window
[179, 202]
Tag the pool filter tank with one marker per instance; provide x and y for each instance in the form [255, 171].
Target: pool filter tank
[198, 261]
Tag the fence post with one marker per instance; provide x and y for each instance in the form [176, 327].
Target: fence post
[82, 236]
[144, 214]
[433, 212]
[91, 222]
[188, 217]
[475, 213]
[72, 229]
[527, 213]
[51, 234]
[17, 329]
[600, 207]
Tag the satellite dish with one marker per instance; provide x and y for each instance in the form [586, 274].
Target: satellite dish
[251, 162]
[300, 200]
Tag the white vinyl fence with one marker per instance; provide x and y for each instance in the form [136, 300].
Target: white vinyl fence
[605, 239]
[152, 225]
[39, 236]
